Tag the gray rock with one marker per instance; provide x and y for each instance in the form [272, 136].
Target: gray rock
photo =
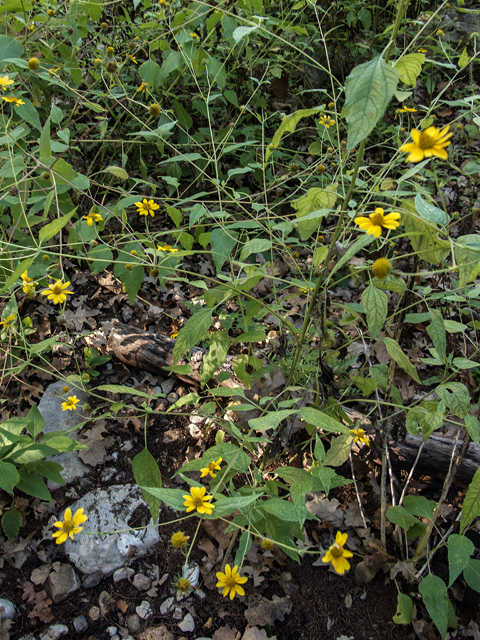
[166, 606]
[80, 624]
[54, 632]
[123, 573]
[144, 610]
[181, 391]
[172, 397]
[92, 579]
[177, 613]
[168, 385]
[141, 582]
[197, 419]
[109, 510]
[194, 431]
[50, 406]
[94, 613]
[62, 583]
[187, 624]
[106, 603]
[112, 631]
[156, 633]
[9, 609]
[134, 623]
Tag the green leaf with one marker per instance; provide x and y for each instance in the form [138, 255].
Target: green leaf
[222, 243]
[219, 345]
[190, 398]
[319, 256]
[226, 506]
[24, 453]
[456, 397]
[375, 303]
[10, 47]
[258, 245]
[11, 522]
[9, 476]
[281, 531]
[37, 423]
[48, 469]
[118, 172]
[471, 503]
[467, 257]
[281, 509]
[171, 497]
[473, 427]
[34, 486]
[464, 59]
[146, 472]
[270, 421]
[321, 420]
[101, 257]
[288, 125]
[314, 205]
[326, 479]
[52, 228]
[28, 112]
[471, 573]
[184, 118]
[45, 148]
[460, 549]
[395, 351]
[368, 90]
[423, 235]
[419, 506]
[435, 597]
[23, 266]
[360, 243]
[191, 333]
[149, 72]
[132, 279]
[339, 450]
[251, 336]
[429, 212]
[464, 363]
[436, 331]
[401, 517]
[390, 283]
[409, 67]
[404, 612]
[118, 388]
[242, 32]
[229, 453]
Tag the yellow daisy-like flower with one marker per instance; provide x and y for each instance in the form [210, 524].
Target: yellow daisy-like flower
[230, 582]
[57, 292]
[109, 51]
[132, 58]
[440, 33]
[267, 544]
[8, 322]
[337, 555]
[359, 437]
[33, 64]
[92, 217]
[25, 277]
[210, 470]
[194, 35]
[197, 499]
[326, 121]
[374, 223]
[174, 334]
[5, 82]
[154, 110]
[179, 540]
[69, 526]
[29, 289]
[16, 101]
[143, 87]
[146, 207]
[166, 248]
[428, 143]
[183, 585]
[70, 404]
[381, 268]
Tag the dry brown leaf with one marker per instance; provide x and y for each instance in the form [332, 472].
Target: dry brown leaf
[254, 633]
[325, 509]
[225, 633]
[95, 442]
[216, 530]
[41, 602]
[266, 611]
[353, 515]
[210, 549]
[41, 574]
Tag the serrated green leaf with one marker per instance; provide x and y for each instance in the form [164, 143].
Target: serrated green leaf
[409, 67]
[281, 509]
[314, 205]
[436, 331]
[456, 397]
[191, 333]
[368, 90]
[222, 243]
[375, 303]
[395, 351]
[219, 345]
[34, 486]
[10, 47]
[52, 228]
[464, 59]
[258, 245]
[288, 125]
[11, 522]
[146, 472]
[471, 503]
[401, 517]
[339, 450]
[460, 549]
[101, 257]
[321, 420]
[132, 279]
[360, 243]
[435, 597]
[270, 421]
[404, 612]
[226, 506]
[319, 256]
[171, 497]
[280, 530]
[390, 283]
[48, 469]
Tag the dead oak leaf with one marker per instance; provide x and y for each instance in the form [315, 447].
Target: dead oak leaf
[95, 442]
[41, 602]
[325, 509]
[266, 611]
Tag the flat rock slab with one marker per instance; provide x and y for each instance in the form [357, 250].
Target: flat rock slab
[109, 510]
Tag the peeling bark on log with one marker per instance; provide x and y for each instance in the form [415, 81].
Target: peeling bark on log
[153, 352]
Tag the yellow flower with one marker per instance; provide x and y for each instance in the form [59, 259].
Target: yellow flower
[147, 207]
[154, 110]
[440, 33]
[179, 540]
[183, 585]
[52, 71]
[29, 289]
[267, 544]
[143, 87]
[331, 104]
[132, 58]
[70, 404]
[212, 467]
[16, 101]
[321, 168]
[69, 526]
[428, 143]
[327, 121]
[167, 249]
[104, 25]
[381, 268]
[57, 292]
[359, 437]
[50, 13]
[374, 223]
[197, 499]
[92, 217]
[5, 82]
[109, 51]
[111, 66]
[25, 277]
[174, 334]
[8, 322]
[66, 389]
[422, 50]
[194, 35]
[337, 554]
[32, 64]
[97, 61]
[230, 582]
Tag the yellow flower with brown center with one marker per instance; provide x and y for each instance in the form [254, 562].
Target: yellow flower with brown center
[154, 110]
[5, 82]
[337, 555]
[183, 585]
[428, 143]
[69, 526]
[194, 35]
[50, 13]
[132, 58]
[360, 436]
[440, 33]
[109, 51]
[33, 64]
[167, 248]
[230, 582]
[381, 268]
[326, 121]
[211, 468]
[197, 499]
[16, 101]
[8, 322]
[422, 50]
[179, 540]
[146, 207]
[57, 292]
[374, 223]
[111, 66]
[104, 25]
[25, 277]
[29, 289]
[92, 217]
[70, 404]
[267, 544]
[143, 87]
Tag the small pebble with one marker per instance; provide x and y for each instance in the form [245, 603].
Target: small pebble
[177, 614]
[123, 573]
[144, 610]
[112, 631]
[168, 385]
[194, 431]
[166, 606]
[197, 419]
[54, 632]
[9, 609]
[182, 391]
[134, 623]
[187, 624]
[92, 579]
[172, 397]
[80, 624]
[94, 613]
[141, 582]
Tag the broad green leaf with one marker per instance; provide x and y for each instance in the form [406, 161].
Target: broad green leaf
[271, 420]
[401, 517]
[390, 283]
[184, 120]
[172, 63]
[36, 424]
[28, 112]
[52, 228]
[419, 506]
[45, 148]
[9, 476]
[32, 485]
[243, 548]
[325, 479]
[281, 531]
[281, 509]
[471, 573]
[436, 331]
[404, 612]
[229, 453]
[258, 245]
[316, 201]
[456, 397]
[368, 90]
[10, 47]
[146, 472]
[375, 303]
[360, 243]
[48, 469]
[101, 257]
[242, 32]
[219, 345]
[11, 522]
[464, 363]
[118, 388]
[473, 427]
[321, 420]
[339, 450]
[423, 235]
[23, 266]
[464, 59]
[460, 549]
[226, 506]
[409, 67]
[222, 243]
[24, 453]
[118, 172]
[395, 351]
[190, 398]
[430, 212]
[467, 257]
[191, 333]
[319, 256]
[288, 125]
[132, 279]
[171, 497]
[471, 503]
[216, 70]
[149, 72]
[435, 597]
[251, 336]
